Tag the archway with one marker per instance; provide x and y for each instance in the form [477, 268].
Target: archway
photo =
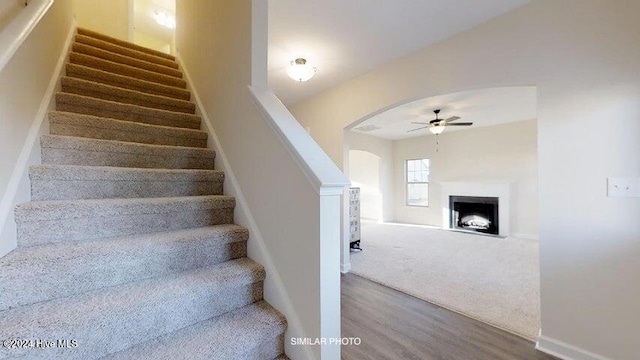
[364, 173]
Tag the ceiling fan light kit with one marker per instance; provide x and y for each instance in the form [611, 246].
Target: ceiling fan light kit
[436, 129]
[437, 125]
[300, 70]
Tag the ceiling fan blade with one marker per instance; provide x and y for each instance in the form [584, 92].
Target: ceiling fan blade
[424, 127]
[460, 124]
[420, 123]
[453, 118]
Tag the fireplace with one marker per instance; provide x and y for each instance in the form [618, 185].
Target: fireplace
[472, 213]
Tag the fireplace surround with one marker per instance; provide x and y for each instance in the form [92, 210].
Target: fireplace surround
[495, 189]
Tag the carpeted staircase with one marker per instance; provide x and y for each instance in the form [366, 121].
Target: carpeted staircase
[128, 246]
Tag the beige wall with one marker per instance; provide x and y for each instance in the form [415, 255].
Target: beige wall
[109, 17]
[497, 154]
[583, 57]
[364, 173]
[216, 49]
[152, 42]
[383, 149]
[9, 9]
[23, 83]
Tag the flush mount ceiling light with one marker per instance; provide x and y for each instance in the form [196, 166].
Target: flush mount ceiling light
[165, 20]
[300, 70]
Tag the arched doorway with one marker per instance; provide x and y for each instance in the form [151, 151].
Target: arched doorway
[364, 173]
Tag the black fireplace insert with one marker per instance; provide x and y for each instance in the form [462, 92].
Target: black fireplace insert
[472, 213]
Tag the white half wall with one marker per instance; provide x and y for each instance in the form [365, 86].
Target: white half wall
[583, 57]
[501, 154]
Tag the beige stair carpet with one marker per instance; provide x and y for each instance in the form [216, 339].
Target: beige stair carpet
[129, 246]
[490, 279]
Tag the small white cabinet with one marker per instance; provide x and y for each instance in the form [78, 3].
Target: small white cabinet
[354, 217]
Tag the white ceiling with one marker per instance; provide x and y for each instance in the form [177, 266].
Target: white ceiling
[347, 38]
[482, 107]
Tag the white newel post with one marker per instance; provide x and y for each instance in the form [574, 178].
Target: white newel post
[330, 239]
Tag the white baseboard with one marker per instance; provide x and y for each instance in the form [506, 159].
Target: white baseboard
[345, 268]
[565, 351]
[284, 304]
[17, 189]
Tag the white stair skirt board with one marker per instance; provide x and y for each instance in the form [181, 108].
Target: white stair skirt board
[487, 278]
[565, 351]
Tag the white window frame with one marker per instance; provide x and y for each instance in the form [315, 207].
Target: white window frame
[407, 182]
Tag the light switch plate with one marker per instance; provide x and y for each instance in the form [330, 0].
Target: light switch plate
[623, 187]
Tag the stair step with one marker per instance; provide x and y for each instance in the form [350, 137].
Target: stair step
[255, 331]
[125, 60]
[126, 82]
[49, 222]
[118, 94]
[93, 34]
[61, 270]
[68, 150]
[89, 126]
[126, 70]
[116, 110]
[114, 48]
[116, 318]
[69, 182]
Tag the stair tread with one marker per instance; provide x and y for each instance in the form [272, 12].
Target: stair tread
[125, 95]
[97, 75]
[55, 270]
[122, 111]
[98, 173]
[69, 209]
[118, 124]
[124, 59]
[225, 337]
[117, 313]
[108, 38]
[105, 45]
[128, 70]
[114, 146]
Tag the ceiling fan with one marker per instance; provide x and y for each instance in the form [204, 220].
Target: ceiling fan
[437, 125]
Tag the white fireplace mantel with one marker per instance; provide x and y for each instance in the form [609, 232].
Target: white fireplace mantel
[481, 189]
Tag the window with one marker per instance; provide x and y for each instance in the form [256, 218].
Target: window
[417, 182]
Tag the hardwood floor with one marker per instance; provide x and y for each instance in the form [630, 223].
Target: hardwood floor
[394, 325]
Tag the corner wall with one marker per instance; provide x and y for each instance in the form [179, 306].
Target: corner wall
[583, 57]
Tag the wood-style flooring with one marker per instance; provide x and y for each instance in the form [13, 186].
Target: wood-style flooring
[394, 325]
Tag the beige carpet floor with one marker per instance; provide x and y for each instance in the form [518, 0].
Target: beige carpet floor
[493, 280]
